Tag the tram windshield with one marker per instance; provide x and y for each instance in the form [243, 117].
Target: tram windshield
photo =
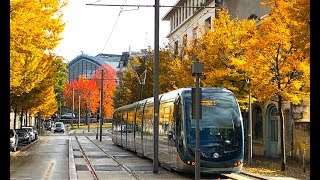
[220, 125]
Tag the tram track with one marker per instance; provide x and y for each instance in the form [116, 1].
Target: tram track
[240, 176]
[90, 166]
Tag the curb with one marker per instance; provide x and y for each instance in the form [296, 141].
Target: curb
[254, 175]
[72, 165]
[14, 154]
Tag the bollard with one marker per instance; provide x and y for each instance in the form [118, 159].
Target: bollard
[304, 160]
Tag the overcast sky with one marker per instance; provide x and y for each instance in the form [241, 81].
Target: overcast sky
[88, 28]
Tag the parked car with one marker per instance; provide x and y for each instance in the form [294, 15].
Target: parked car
[31, 132]
[47, 125]
[35, 130]
[59, 127]
[24, 136]
[68, 116]
[14, 140]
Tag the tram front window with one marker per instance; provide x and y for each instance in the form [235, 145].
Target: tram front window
[220, 126]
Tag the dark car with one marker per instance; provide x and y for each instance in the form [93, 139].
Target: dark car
[47, 125]
[14, 140]
[24, 136]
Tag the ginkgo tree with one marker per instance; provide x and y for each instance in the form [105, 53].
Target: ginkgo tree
[35, 28]
[277, 58]
[220, 50]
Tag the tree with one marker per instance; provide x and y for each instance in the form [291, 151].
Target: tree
[109, 86]
[85, 88]
[221, 51]
[35, 28]
[278, 58]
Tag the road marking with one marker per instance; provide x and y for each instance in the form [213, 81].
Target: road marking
[48, 173]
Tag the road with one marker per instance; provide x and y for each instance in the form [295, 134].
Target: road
[46, 159]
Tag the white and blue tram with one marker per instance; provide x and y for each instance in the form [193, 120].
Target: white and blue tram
[221, 130]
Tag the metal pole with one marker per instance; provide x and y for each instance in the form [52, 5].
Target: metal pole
[98, 116]
[79, 111]
[250, 132]
[60, 108]
[72, 107]
[89, 113]
[197, 158]
[101, 105]
[155, 89]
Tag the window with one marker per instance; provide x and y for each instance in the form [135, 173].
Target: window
[176, 47]
[207, 23]
[258, 126]
[185, 38]
[194, 33]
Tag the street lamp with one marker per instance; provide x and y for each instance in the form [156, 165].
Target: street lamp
[250, 126]
[142, 81]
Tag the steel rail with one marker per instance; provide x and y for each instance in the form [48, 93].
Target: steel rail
[90, 167]
[113, 158]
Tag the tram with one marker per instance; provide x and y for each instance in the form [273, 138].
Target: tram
[221, 130]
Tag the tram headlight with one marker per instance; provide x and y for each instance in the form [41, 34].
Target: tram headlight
[215, 155]
[237, 163]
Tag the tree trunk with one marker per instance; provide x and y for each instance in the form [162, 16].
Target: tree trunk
[282, 131]
[26, 122]
[21, 118]
[15, 118]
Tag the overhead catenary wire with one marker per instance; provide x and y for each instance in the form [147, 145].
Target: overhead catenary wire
[121, 10]
[138, 6]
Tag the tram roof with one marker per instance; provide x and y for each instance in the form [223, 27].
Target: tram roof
[167, 95]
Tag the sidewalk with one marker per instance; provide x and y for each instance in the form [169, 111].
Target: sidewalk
[269, 168]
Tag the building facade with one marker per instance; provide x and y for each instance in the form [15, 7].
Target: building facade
[190, 18]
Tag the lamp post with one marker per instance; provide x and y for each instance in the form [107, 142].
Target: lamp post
[141, 82]
[250, 126]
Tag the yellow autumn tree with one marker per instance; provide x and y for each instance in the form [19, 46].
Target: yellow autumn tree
[221, 50]
[35, 28]
[278, 58]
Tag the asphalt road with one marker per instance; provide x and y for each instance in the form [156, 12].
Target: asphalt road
[45, 159]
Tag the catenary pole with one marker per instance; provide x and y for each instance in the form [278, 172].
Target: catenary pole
[101, 109]
[155, 89]
[79, 111]
[72, 107]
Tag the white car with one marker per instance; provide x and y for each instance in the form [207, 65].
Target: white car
[31, 133]
[14, 140]
[67, 116]
[59, 127]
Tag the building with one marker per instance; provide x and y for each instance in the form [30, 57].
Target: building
[87, 65]
[188, 20]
